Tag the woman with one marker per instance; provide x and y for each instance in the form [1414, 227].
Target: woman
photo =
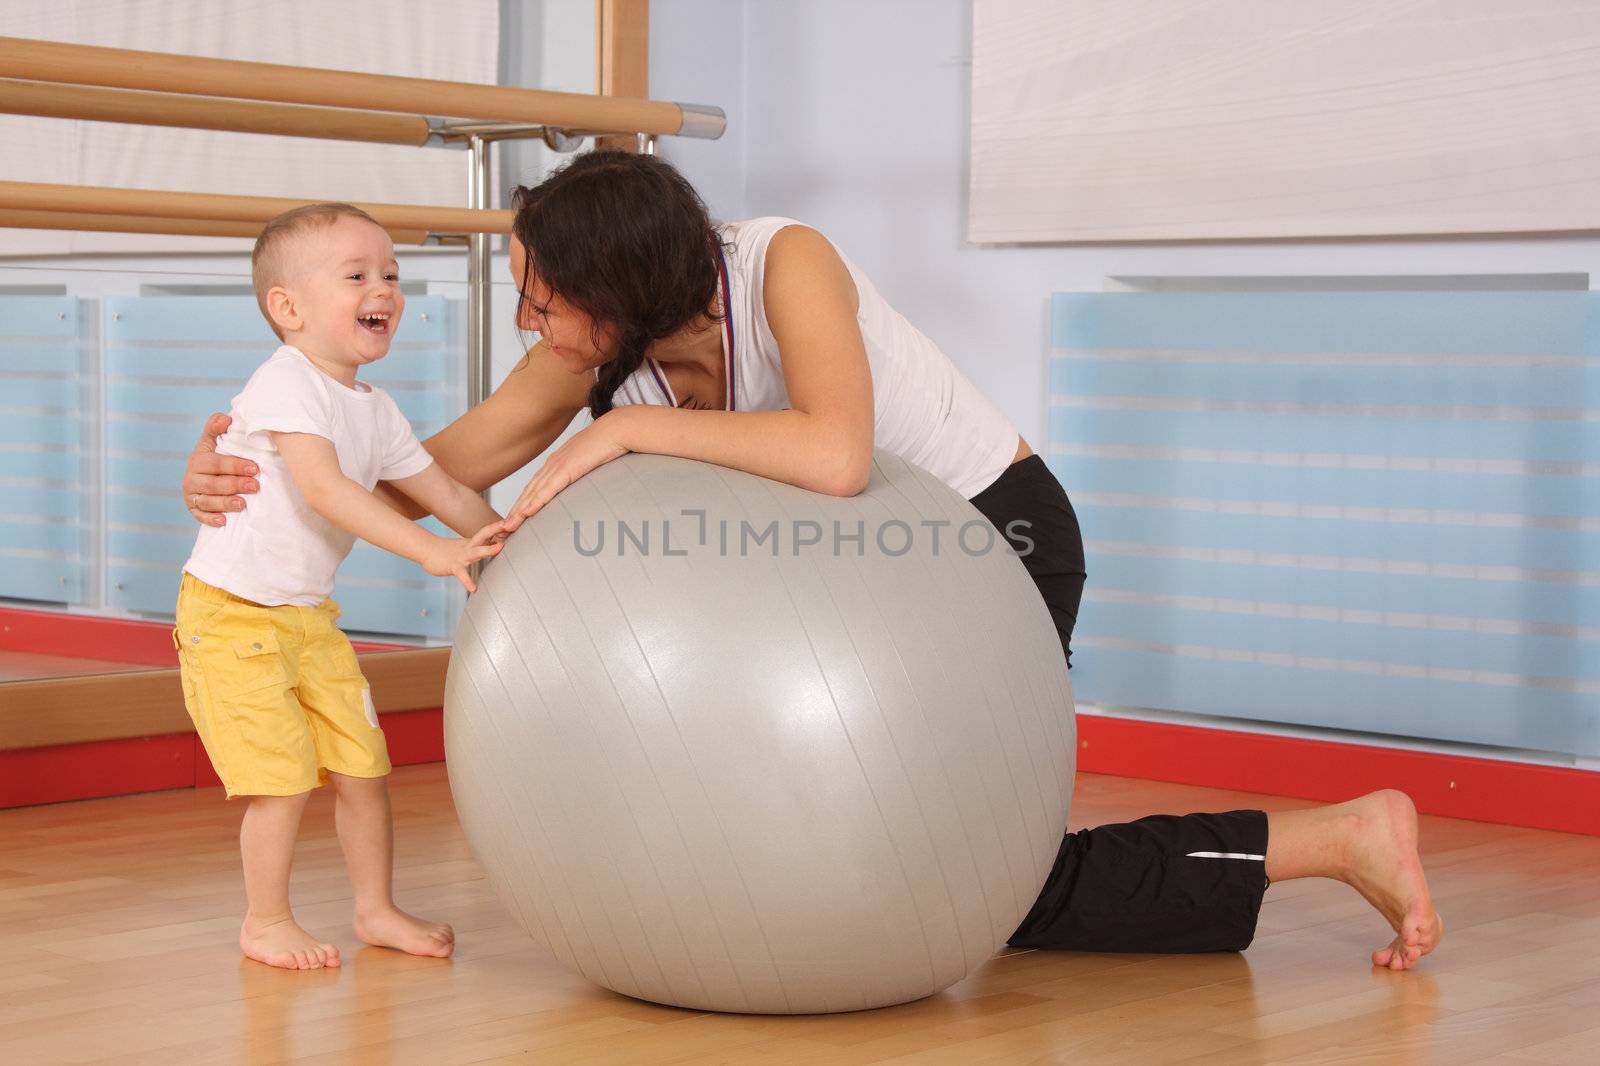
[757, 346]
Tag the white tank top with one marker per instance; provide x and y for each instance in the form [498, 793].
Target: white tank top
[925, 410]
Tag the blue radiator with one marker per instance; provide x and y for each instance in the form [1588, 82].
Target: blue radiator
[1369, 511]
[47, 438]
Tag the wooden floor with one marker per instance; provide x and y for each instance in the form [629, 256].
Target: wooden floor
[118, 921]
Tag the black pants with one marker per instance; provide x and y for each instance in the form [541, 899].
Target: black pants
[1029, 506]
[1161, 884]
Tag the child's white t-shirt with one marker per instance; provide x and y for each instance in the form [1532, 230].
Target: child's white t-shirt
[278, 550]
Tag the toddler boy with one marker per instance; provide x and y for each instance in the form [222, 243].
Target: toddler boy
[272, 684]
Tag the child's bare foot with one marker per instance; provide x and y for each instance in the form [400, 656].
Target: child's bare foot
[394, 928]
[1385, 868]
[280, 942]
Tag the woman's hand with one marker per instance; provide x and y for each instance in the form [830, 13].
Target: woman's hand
[211, 480]
[593, 446]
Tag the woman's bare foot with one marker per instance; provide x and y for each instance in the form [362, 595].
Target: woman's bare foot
[1383, 865]
[281, 942]
[394, 928]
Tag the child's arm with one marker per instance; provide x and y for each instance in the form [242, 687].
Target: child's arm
[314, 466]
[452, 502]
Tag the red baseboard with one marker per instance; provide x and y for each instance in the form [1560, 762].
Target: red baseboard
[1484, 790]
[30, 776]
[1481, 790]
[414, 736]
[103, 768]
[118, 640]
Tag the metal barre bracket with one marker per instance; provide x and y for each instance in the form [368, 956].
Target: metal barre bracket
[699, 120]
[563, 141]
[458, 133]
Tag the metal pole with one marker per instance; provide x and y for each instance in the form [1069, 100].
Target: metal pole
[478, 309]
[478, 327]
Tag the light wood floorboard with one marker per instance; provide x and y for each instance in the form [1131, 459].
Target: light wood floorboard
[119, 918]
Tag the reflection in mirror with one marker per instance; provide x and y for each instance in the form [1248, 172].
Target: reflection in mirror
[110, 367]
[112, 355]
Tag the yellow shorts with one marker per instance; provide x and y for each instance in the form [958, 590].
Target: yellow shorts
[275, 693]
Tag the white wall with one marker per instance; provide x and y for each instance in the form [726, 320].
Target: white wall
[852, 116]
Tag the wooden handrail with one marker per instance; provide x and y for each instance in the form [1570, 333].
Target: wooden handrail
[86, 199]
[121, 68]
[94, 104]
[183, 227]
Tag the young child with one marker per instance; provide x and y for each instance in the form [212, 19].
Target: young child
[272, 684]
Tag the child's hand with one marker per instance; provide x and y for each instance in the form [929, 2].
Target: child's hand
[493, 533]
[452, 555]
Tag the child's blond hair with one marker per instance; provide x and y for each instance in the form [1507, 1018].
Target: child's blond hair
[269, 261]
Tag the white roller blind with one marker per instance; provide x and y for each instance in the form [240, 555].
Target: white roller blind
[457, 41]
[1102, 120]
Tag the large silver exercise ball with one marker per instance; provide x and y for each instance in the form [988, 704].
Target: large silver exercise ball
[727, 744]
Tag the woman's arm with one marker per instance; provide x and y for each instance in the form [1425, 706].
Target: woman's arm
[501, 435]
[823, 442]
[448, 499]
[520, 419]
[314, 467]
[492, 440]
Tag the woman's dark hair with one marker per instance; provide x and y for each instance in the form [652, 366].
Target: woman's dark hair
[626, 239]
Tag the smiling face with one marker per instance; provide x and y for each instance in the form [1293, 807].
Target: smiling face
[569, 333]
[339, 301]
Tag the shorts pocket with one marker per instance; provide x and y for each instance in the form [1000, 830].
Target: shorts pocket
[240, 659]
[259, 662]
